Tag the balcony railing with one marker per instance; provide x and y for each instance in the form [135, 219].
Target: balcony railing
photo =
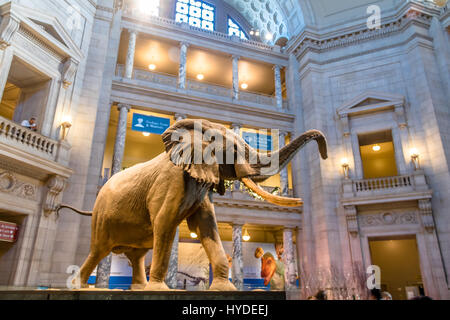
[33, 143]
[201, 87]
[387, 185]
[382, 183]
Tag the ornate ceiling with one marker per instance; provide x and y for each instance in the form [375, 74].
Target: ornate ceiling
[280, 18]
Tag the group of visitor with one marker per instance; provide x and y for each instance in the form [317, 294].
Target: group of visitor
[375, 294]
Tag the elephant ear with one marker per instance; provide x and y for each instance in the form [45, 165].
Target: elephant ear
[202, 172]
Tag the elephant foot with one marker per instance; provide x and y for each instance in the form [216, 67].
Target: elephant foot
[138, 286]
[222, 285]
[156, 286]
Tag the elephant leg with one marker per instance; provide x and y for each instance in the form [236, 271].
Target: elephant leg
[204, 223]
[93, 259]
[137, 259]
[163, 235]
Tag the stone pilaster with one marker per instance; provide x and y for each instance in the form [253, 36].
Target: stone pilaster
[129, 64]
[289, 259]
[171, 277]
[104, 267]
[284, 181]
[236, 77]
[237, 269]
[278, 88]
[183, 62]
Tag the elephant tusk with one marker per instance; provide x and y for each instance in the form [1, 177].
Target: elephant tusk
[280, 201]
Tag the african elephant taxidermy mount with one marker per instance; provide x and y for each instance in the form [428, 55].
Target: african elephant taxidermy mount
[141, 207]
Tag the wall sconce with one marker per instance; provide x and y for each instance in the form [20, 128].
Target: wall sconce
[246, 236]
[415, 158]
[345, 167]
[65, 127]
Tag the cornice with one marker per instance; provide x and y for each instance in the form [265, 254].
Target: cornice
[325, 40]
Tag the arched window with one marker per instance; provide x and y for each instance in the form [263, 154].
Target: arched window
[195, 12]
[235, 30]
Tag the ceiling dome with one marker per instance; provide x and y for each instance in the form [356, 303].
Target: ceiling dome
[279, 18]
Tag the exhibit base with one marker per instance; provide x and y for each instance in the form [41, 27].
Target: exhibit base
[138, 295]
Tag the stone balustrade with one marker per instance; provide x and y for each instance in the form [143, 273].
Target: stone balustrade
[21, 138]
[203, 87]
[386, 185]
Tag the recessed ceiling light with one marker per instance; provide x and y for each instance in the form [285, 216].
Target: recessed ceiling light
[269, 36]
[200, 77]
[244, 86]
[146, 134]
[152, 67]
[376, 148]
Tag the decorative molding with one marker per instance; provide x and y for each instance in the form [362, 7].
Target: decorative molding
[34, 40]
[388, 218]
[352, 220]
[426, 215]
[8, 28]
[56, 185]
[312, 41]
[10, 184]
[69, 70]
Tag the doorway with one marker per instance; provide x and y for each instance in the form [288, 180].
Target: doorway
[398, 259]
[377, 154]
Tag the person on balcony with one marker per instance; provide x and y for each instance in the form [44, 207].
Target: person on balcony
[30, 124]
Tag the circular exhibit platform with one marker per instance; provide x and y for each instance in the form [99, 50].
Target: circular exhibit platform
[55, 294]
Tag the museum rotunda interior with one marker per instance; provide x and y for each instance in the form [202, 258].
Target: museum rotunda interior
[88, 88]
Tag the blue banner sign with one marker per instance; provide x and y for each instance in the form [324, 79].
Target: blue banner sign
[151, 124]
[258, 141]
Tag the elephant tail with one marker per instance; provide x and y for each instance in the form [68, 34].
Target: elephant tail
[83, 213]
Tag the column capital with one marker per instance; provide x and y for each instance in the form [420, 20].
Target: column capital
[277, 66]
[283, 133]
[184, 43]
[180, 116]
[237, 224]
[130, 31]
[236, 125]
[123, 105]
[235, 56]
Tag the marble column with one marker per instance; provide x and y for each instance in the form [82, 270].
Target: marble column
[172, 272]
[289, 259]
[284, 181]
[171, 277]
[129, 64]
[183, 62]
[278, 88]
[236, 77]
[104, 267]
[237, 269]
[237, 130]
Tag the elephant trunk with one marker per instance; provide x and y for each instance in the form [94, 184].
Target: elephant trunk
[284, 156]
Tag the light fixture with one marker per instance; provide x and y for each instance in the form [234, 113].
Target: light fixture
[152, 67]
[65, 126]
[252, 32]
[200, 76]
[244, 86]
[257, 33]
[146, 134]
[376, 148]
[246, 236]
[415, 158]
[269, 36]
[193, 235]
[149, 7]
[345, 167]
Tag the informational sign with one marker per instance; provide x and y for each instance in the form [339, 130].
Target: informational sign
[8, 231]
[150, 124]
[258, 141]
